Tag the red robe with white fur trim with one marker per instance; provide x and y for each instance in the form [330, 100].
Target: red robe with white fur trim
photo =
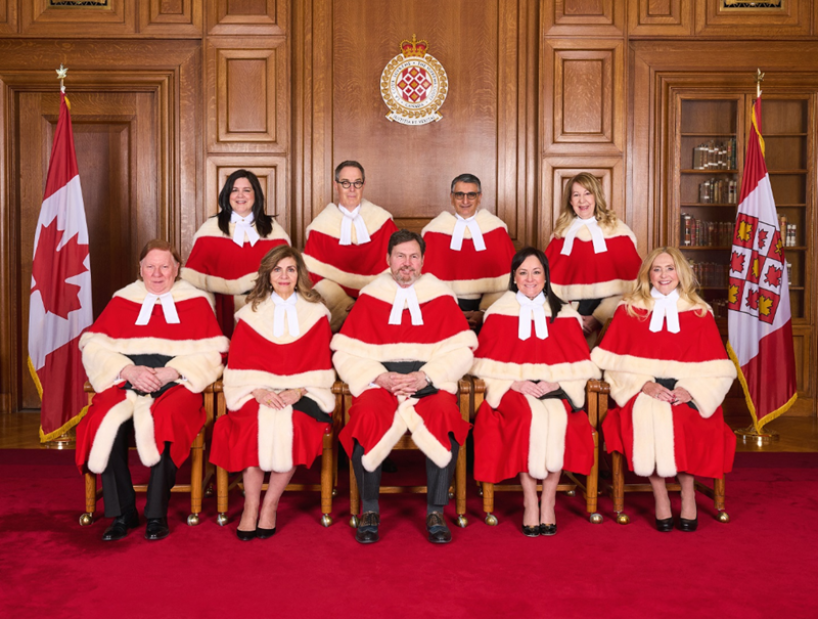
[586, 275]
[340, 271]
[443, 343]
[252, 434]
[656, 436]
[470, 273]
[218, 265]
[197, 348]
[514, 432]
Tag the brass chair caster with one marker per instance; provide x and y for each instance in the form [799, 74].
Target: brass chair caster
[491, 520]
[596, 518]
[480, 490]
[209, 491]
[461, 521]
[570, 493]
[451, 495]
[86, 519]
[724, 517]
[353, 522]
[193, 520]
[623, 518]
[222, 519]
[326, 520]
[335, 492]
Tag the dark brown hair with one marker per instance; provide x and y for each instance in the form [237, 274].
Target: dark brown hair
[262, 288]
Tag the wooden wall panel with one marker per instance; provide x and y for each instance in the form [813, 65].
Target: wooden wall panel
[8, 17]
[177, 18]
[584, 97]
[793, 18]
[272, 172]
[556, 172]
[241, 17]
[660, 18]
[40, 19]
[248, 93]
[584, 18]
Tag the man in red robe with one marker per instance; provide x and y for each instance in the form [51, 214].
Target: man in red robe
[346, 243]
[149, 356]
[469, 250]
[402, 351]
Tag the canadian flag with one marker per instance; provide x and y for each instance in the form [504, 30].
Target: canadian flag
[759, 319]
[60, 307]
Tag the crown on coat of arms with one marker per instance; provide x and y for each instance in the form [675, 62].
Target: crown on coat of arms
[414, 47]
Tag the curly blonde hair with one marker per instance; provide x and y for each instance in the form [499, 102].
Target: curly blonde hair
[263, 288]
[607, 218]
[687, 282]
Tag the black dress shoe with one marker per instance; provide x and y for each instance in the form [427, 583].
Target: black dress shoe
[665, 525]
[439, 533]
[157, 529]
[119, 527]
[688, 526]
[548, 529]
[367, 532]
[246, 536]
[531, 531]
[265, 533]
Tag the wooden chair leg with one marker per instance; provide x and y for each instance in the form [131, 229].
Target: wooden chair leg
[592, 486]
[222, 491]
[327, 458]
[618, 473]
[718, 499]
[460, 487]
[196, 478]
[354, 497]
[488, 504]
[90, 499]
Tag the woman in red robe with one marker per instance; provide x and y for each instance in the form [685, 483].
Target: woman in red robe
[669, 372]
[531, 421]
[277, 386]
[228, 248]
[592, 254]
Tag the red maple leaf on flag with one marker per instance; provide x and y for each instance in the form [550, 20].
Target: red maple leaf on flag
[737, 262]
[762, 238]
[752, 299]
[59, 297]
[773, 276]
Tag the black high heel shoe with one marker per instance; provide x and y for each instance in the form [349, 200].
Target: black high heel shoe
[665, 525]
[531, 531]
[548, 529]
[264, 533]
[688, 526]
[245, 536]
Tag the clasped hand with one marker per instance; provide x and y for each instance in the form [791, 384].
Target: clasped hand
[268, 397]
[148, 380]
[680, 395]
[401, 384]
[534, 389]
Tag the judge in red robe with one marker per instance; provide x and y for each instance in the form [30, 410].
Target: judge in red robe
[228, 248]
[277, 386]
[346, 243]
[469, 250]
[592, 254]
[535, 363]
[669, 373]
[402, 351]
[149, 356]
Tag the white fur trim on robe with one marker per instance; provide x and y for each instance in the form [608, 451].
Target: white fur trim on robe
[653, 443]
[546, 441]
[239, 386]
[330, 219]
[407, 418]
[275, 439]
[338, 302]
[445, 223]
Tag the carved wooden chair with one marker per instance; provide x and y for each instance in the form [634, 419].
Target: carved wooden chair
[329, 463]
[200, 471]
[596, 397]
[458, 488]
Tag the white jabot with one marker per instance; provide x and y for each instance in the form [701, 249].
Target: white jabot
[168, 307]
[596, 236]
[285, 307]
[403, 297]
[353, 217]
[460, 227]
[664, 307]
[244, 225]
[532, 309]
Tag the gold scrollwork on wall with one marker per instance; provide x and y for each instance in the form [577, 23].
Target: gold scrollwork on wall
[79, 4]
[742, 4]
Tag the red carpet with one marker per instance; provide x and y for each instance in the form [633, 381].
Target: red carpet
[762, 564]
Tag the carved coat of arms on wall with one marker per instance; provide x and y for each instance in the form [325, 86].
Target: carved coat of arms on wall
[414, 85]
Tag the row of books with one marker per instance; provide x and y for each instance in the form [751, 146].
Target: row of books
[711, 274]
[789, 232]
[719, 308]
[698, 233]
[715, 155]
[718, 191]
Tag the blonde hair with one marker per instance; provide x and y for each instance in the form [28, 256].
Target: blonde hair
[687, 282]
[607, 219]
[263, 288]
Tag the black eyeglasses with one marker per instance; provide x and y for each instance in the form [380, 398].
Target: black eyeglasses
[348, 184]
[459, 195]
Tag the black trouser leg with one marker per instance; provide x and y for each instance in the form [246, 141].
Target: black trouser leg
[438, 480]
[163, 478]
[117, 488]
[369, 484]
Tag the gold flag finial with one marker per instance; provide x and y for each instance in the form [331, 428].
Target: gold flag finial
[62, 73]
[759, 79]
